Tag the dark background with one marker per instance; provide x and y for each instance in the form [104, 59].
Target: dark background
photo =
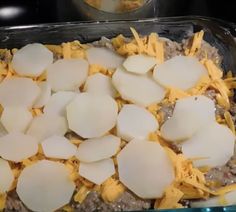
[45, 11]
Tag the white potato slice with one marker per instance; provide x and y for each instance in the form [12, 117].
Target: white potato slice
[17, 146]
[179, 72]
[44, 126]
[135, 122]
[45, 186]
[145, 168]
[100, 84]
[16, 119]
[139, 89]
[97, 172]
[92, 116]
[6, 176]
[67, 74]
[32, 60]
[139, 64]
[58, 102]
[190, 114]
[58, 147]
[104, 57]
[96, 149]
[23, 92]
[215, 201]
[3, 131]
[44, 95]
[214, 143]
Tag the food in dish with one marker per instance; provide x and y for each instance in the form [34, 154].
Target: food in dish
[115, 125]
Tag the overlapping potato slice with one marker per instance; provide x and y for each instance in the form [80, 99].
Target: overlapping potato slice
[6, 176]
[181, 72]
[138, 89]
[145, 168]
[97, 172]
[139, 64]
[96, 149]
[16, 119]
[67, 74]
[44, 94]
[58, 147]
[45, 186]
[46, 125]
[100, 84]
[104, 57]
[213, 144]
[135, 122]
[18, 91]
[17, 146]
[190, 114]
[92, 116]
[32, 60]
[58, 102]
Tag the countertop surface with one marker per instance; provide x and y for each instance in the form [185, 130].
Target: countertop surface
[21, 12]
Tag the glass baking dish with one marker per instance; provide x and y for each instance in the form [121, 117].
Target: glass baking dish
[218, 33]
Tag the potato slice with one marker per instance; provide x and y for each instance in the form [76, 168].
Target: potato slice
[44, 95]
[16, 119]
[135, 122]
[145, 168]
[104, 57]
[16, 146]
[190, 114]
[67, 74]
[6, 176]
[32, 60]
[24, 92]
[214, 143]
[3, 131]
[44, 126]
[97, 172]
[139, 89]
[100, 84]
[180, 72]
[45, 186]
[92, 116]
[58, 102]
[58, 147]
[96, 149]
[215, 201]
[139, 64]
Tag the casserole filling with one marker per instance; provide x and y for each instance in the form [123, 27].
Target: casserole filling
[115, 125]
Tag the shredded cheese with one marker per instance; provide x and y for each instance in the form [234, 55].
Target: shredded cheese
[196, 45]
[3, 198]
[174, 94]
[111, 190]
[171, 199]
[229, 121]
[81, 194]
[66, 50]
[94, 69]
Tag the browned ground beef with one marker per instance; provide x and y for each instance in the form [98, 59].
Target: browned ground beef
[127, 202]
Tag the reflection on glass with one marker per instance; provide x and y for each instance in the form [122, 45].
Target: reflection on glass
[10, 12]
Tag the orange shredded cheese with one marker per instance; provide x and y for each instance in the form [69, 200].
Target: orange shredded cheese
[3, 198]
[175, 94]
[118, 41]
[196, 45]
[171, 199]
[81, 194]
[111, 190]
[66, 50]
[229, 121]
[68, 208]
[94, 69]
